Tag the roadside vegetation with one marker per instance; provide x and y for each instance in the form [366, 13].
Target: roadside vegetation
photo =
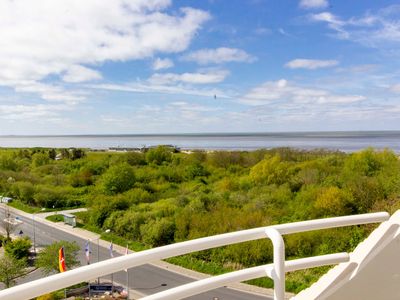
[13, 259]
[17, 260]
[48, 259]
[55, 218]
[161, 197]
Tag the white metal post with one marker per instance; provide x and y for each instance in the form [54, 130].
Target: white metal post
[278, 273]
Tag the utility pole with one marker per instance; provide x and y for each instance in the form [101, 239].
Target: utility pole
[34, 233]
[98, 256]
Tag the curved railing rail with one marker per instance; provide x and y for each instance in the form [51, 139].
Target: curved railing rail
[207, 284]
[63, 280]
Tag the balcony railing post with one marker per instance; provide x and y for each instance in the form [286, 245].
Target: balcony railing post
[278, 273]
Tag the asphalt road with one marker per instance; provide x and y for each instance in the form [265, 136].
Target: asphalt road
[146, 279]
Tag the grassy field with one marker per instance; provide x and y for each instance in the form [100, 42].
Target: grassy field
[55, 218]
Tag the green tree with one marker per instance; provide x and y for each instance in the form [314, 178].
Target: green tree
[158, 232]
[369, 162]
[65, 154]
[10, 269]
[48, 297]
[7, 163]
[159, 155]
[135, 158]
[40, 159]
[18, 248]
[333, 201]
[82, 178]
[48, 258]
[9, 226]
[52, 154]
[195, 170]
[25, 191]
[49, 196]
[77, 154]
[118, 179]
[271, 170]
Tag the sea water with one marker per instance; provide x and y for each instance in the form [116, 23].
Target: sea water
[342, 141]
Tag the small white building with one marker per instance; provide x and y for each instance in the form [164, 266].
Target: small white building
[5, 199]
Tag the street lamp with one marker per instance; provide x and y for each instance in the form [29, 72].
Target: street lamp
[34, 230]
[34, 233]
[98, 244]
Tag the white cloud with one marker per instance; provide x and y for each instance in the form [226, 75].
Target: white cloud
[311, 4]
[310, 64]
[32, 112]
[395, 88]
[364, 68]
[334, 22]
[380, 29]
[286, 93]
[160, 63]
[57, 36]
[50, 92]
[147, 87]
[262, 31]
[327, 17]
[78, 73]
[177, 114]
[193, 78]
[185, 106]
[218, 56]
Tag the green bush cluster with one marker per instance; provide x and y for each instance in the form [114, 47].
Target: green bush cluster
[161, 197]
[18, 248]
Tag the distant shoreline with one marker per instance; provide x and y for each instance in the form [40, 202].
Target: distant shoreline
[193, 150]
[326, 134]
[346, 141]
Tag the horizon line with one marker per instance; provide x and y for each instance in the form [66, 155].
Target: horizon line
[202, 133]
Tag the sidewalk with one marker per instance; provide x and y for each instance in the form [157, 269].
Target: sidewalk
[82, 233]
[68, 211]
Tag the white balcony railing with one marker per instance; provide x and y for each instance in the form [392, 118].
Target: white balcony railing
[276, 270]
[207, 284]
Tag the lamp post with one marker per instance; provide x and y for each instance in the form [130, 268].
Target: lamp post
[34, 230]
[34, 233]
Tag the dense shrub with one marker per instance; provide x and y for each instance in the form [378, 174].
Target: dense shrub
[158, 232]
[7, 162]
[18, 248]
[135, 158]
[159, 155]
[118, 179]
[161, 197]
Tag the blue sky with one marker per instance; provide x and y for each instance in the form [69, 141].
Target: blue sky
[161, 66]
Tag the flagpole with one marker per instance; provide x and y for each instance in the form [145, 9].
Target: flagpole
[127, 283]
[98, 257]
[112, 285]
[112, 274]
[61, 265]
[127, 275]
[87, 254]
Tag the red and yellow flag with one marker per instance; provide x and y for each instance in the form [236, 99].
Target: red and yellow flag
[61, 260]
